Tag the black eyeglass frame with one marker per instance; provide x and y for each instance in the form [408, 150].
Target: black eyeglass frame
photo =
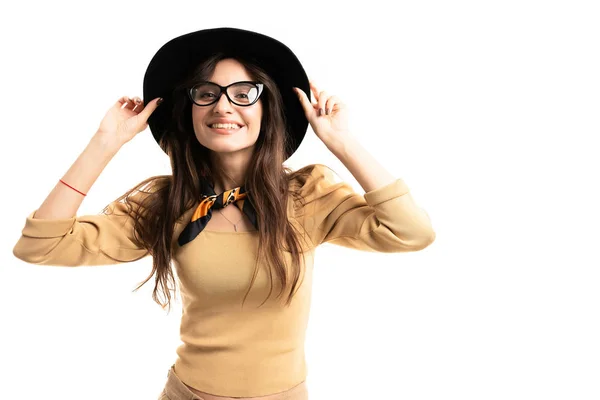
[223, 89]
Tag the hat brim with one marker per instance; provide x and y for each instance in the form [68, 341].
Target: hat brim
[179, 56]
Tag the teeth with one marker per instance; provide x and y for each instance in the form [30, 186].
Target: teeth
[225, 126]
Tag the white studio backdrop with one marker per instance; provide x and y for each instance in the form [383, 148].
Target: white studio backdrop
[487, 110]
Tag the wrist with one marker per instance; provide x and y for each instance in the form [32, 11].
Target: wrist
[341, 148]
[102, 143]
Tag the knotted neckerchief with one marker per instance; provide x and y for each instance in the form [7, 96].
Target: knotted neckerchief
[209, 200]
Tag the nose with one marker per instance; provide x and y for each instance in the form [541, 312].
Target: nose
[223, 104]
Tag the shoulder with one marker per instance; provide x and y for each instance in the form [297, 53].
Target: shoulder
[313, 177]
[314, 186]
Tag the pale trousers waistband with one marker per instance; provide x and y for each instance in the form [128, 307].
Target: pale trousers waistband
[175, 389]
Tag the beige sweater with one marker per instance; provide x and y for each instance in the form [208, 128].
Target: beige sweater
[227, 349]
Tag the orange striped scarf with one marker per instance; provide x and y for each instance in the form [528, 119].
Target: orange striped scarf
[210, 200]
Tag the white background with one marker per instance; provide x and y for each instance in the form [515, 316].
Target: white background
[488, 110]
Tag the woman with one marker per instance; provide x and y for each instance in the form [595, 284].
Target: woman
[235, 108]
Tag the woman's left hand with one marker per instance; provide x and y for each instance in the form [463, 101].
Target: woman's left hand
[331, 126]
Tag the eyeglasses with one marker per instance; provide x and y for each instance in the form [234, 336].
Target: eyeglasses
[244, 93]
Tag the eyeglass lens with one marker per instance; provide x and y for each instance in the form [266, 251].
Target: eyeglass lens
[240, 93]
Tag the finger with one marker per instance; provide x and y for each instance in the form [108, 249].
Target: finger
[323, 97]
[320, 96]
[126, 102]
[305, 102]
[149, 109]
[130, 103]
[314, 90]
[331, 102]
[139, 104]
[121, 101]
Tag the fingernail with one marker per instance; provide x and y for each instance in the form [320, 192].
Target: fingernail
[320, 112]
[159, 101]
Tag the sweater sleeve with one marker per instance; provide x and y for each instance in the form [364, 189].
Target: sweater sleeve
[385, 219]
[86, 240]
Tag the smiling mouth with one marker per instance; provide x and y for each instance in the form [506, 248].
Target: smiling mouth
[225, 130]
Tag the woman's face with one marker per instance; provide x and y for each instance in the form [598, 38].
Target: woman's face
[226, 72]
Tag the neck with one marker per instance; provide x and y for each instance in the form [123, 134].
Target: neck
[229, 171]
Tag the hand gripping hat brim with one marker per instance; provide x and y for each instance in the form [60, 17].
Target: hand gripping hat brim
[179, 56]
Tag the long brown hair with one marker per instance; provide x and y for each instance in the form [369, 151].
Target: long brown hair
[166, 197]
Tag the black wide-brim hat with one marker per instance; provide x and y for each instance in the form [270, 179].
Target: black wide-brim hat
[176, 59]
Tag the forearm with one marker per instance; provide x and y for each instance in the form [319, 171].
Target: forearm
[365, 168]
[63, 202]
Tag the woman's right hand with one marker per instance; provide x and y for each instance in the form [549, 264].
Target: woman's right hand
[125, 119]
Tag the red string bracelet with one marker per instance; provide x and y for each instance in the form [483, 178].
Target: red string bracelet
[72, 187]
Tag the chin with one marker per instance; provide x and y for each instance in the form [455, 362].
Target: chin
[226, 147]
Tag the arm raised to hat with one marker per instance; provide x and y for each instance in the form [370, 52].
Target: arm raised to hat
[125, 119]
[54, 235]
[328, 119]
[386, 218]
